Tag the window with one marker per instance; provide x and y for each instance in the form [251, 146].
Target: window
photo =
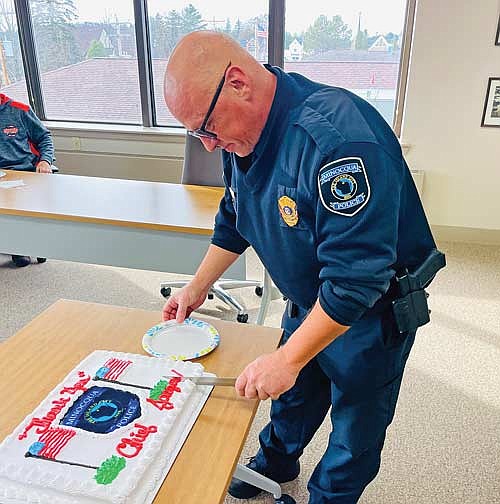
[87, 59]
[12, 79]
[352, 44]
[169, 21]
[104, 60]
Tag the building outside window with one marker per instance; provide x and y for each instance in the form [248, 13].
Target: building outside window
[354, 44]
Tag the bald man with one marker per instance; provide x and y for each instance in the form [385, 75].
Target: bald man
[316, 183]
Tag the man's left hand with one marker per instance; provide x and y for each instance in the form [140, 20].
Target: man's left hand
[43, 167]
[267, 376]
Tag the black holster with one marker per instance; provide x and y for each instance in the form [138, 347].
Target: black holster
[410, 308]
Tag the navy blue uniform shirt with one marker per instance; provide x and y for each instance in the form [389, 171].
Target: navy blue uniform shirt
[326, 200]
[24, 140]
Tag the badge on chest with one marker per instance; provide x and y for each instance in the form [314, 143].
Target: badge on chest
[288, 210]
[343, 186]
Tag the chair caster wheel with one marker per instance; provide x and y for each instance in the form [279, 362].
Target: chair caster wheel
[210, 296]
[165, 291]
[259, 291]
[242, 317]
[285, 499]
[41, 260]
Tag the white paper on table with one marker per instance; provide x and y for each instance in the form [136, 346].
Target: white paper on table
[8, 184]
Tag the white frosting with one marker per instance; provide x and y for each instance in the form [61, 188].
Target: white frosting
[31, 480]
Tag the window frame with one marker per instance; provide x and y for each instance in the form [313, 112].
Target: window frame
[276, 51]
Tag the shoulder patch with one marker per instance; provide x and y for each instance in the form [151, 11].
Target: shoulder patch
[343, 186]
[20, 105]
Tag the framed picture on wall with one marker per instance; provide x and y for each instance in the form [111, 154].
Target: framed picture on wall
[491, 112]
[497, 39]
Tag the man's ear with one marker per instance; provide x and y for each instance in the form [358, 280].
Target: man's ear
[238, 81]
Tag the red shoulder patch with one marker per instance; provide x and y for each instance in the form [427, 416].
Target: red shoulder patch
[19, 105]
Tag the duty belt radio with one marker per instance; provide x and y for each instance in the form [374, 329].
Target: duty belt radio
[410, 307]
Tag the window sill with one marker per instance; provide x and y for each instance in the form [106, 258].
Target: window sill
[116, 131]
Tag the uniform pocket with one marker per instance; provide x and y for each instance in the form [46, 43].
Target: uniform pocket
[288, 206]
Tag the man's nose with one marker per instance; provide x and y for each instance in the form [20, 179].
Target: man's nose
[209, 143]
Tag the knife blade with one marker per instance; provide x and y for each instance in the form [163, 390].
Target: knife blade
[207, 380]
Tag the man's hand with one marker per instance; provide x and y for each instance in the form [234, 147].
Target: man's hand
[267, 376]
[183, 302]
[43, 167]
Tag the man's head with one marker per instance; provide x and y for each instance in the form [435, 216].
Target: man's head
[218, 90]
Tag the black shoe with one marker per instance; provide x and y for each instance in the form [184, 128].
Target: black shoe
[41, 260]
[241, 490]
[21, 261]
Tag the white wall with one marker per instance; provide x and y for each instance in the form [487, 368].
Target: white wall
[453, 57]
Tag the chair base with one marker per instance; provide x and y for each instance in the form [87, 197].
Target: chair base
[218, 290]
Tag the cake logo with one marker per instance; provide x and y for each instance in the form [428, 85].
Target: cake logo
[103, 410]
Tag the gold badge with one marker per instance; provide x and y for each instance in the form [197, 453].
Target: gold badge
[288, 210]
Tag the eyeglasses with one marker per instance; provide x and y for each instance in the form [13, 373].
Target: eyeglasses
[201, 132]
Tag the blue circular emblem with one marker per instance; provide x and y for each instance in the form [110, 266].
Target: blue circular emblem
[102, 411]
[344, 186]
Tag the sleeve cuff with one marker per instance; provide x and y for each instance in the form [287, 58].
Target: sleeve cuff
[342, 310]
[230, 245]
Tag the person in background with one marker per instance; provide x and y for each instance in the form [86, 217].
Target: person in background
[25, 144]
[317, 184]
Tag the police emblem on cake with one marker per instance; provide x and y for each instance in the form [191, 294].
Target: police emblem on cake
[288, 210]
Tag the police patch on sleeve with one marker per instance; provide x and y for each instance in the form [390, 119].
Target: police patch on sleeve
[343, 186]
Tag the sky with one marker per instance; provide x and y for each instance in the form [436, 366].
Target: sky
[379, 16]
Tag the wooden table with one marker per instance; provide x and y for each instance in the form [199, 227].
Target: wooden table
[36, 359]
[128, 223]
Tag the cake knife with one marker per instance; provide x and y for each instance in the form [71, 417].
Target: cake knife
[207, 380]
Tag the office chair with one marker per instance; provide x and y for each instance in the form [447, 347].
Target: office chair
[205, 168]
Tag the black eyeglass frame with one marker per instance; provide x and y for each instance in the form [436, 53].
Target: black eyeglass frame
[201, 132]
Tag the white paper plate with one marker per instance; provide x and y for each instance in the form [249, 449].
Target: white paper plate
[2, 174]
[189, 340]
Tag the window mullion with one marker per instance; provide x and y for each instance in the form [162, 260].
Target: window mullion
[144, 62]
[276, 41]
[30, 61]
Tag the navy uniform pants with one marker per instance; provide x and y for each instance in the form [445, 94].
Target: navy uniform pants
[358, 376]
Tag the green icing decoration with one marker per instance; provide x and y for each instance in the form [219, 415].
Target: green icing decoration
[109, 469]
[158, 389]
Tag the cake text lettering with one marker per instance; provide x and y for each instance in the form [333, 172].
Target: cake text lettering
[131, 447]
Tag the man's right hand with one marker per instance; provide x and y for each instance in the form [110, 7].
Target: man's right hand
[183, 302]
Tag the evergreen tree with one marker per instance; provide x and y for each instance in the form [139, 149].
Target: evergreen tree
[327, 34]
[55, 41]
[361, 42]
[96, 50]
[173, 33]
[191, 20]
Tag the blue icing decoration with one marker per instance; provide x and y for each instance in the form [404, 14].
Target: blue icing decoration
[36, 448]
[101, 372]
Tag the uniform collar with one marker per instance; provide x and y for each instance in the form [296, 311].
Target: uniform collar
[286, 97]
[4, 99]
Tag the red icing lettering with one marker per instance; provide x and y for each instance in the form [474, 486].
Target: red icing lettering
[44, 423]
[163, 402]
[79, 385]
[130, 448]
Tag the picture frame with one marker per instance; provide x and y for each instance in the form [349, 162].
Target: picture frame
[491, 111]
[497, 38]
